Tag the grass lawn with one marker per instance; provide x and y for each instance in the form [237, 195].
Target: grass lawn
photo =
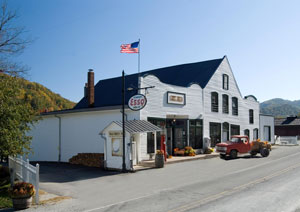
[5, 200]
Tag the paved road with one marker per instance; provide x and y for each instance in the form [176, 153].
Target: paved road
[244, 184]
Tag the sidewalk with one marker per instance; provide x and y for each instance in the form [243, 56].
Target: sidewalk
[148, 164]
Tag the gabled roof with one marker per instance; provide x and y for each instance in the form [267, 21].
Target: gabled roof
[108, 91]
[293, 120]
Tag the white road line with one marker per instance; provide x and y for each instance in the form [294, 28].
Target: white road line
[141, 197]
[118, 203]
[262, 164]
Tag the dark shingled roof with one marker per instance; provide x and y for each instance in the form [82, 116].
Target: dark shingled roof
[108, 92]
[293, 120]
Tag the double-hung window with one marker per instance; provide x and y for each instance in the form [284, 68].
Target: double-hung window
[235, 106]
[225, 103]
[214, 102]
[251, 116]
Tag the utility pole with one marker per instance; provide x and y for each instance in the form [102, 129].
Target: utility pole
[123, 120]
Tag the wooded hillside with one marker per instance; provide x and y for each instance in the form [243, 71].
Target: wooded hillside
[39, 97]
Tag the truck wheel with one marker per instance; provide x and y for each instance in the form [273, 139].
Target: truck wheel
[233, 154]
[253, 153]
[264, 152]
[222, 156]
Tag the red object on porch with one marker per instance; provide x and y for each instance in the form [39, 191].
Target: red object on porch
[163, 145]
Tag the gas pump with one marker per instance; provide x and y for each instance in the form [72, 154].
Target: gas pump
[163, 145]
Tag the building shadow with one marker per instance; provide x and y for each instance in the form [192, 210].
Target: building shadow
[242, 157]
[64, 172]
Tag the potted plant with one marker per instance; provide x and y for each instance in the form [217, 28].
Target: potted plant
[159, 159]
[189, 151]
[21, 194]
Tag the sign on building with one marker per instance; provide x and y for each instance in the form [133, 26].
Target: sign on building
[175, 98]
[137, 102]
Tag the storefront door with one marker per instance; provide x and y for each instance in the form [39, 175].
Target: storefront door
[215, 133]
[176, 134]
[169, 141]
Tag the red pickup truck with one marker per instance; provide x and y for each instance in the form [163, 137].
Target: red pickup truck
[240, 144]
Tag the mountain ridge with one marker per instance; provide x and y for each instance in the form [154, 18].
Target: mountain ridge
[279, 107]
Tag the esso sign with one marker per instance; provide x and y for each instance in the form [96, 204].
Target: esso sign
[137, 102]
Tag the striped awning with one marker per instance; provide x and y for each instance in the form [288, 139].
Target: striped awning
[138, 126]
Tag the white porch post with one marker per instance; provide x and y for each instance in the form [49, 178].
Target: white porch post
[188, 132]
[155, 143]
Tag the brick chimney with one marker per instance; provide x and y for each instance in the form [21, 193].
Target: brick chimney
[90, 88]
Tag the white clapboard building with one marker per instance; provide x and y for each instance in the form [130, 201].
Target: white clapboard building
[189, 102]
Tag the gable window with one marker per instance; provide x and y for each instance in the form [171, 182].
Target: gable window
[251, 117]
[214, 102]
[225, 82]
[225, 103]
[235, 106]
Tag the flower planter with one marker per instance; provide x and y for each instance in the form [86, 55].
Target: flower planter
[21, 203]
[159, 160]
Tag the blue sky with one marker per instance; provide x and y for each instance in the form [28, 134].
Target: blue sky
[261, 39]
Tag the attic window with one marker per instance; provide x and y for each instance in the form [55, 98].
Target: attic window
[225, 82]
[235, 107]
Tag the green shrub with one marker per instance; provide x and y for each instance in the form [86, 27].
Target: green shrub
[4, 172]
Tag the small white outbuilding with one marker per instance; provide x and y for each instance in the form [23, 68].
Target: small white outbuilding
[135, 138]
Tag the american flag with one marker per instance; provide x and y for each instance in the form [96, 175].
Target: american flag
[130, 48]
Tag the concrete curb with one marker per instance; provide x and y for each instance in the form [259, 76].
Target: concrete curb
[208, 156]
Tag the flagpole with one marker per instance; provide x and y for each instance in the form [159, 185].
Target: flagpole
[139, 82]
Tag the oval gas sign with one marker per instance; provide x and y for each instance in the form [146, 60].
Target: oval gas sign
[137, 102]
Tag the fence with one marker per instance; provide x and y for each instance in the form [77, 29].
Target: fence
[24, 171]
[287, 140]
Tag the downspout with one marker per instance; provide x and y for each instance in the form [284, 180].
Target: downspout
[104, 150]
[59, 138]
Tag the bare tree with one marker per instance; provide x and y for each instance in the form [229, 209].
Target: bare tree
[12, 41]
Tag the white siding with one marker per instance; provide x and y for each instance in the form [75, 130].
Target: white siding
[157, 99]
[216, 85]
[45, 140]
[265, 120]
[79, 134]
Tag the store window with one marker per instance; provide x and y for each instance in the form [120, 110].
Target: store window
[235, 129]
[225, 104]
[235, 106]
[225, 82]
[225, 131]
[247, 133]
[214, 102]
[255, 134]
[196, 134]
[150, 136]
[251, 116]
